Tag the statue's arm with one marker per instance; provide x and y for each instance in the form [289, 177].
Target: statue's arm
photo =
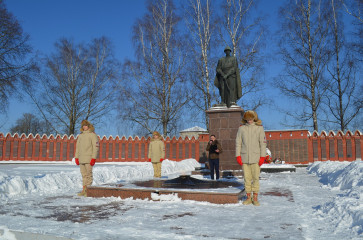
[219, 68]
[234, 69]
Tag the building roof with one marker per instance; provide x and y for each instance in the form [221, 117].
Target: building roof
[194, 129]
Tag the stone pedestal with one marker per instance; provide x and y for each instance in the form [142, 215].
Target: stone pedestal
[224, 123]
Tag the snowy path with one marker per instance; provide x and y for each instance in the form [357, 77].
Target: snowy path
[292, 207]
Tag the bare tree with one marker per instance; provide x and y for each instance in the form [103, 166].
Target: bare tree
[14, 53]
[244, 32]
[305, 53]
[354, 8]
[199, 21]
[29, 123]
[343, 71]
[155, 93]
[78, 83]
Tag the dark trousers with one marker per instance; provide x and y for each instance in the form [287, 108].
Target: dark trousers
[214, 165]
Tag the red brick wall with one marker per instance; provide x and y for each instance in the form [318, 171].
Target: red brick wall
[289, 146]
[292, 146]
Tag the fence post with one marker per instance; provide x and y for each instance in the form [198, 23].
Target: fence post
[344, 145]
[14, 151]
[174, 140]
[123, 142]
[24, 139]
[315, 148]
[361, 145]
[127, 149]
[100, 148]
[2, 146]
[319, 147]
[144, 141]
[333, 146]
[349, 139]
[29, 145]
[17, 139]
[310, 148]
[196, 148]
[339, 139]
[138, 141]
[118, 142]
[326, 146]
[35, 141]
[43, 150]
[113, 150]
[359, 138]
[107, 157]
[58, 140]
[51, 151]
[184, 142]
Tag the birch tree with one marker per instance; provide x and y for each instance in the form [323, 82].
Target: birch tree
[343, 86]
[199, 20]
[155, 92]
[304, 51]
[354, 8]
[243, 32]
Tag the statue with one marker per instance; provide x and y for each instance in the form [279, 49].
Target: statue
[227, 79]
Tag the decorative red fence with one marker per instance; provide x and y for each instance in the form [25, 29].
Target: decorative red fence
[340, 146]
[292, 146]
[300, 146]
[57, 148]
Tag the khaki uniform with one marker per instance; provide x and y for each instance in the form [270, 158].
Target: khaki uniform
[87, 149]
[156, 152]
[251, 145]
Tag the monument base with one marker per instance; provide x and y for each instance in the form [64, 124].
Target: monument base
[224, 123]
[184, 187]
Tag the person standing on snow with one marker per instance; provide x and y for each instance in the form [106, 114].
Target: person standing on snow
[214, 148]
[156, 153]
[251, 153]
[86, 154]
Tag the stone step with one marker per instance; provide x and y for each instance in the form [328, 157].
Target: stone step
[267, 168]
[218, 192]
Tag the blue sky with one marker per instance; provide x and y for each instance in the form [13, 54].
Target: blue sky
[46, 21]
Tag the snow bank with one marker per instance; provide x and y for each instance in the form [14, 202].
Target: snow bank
[44, 180]
[344, 175]
[345, 209]
[5, 233]
[45, 183]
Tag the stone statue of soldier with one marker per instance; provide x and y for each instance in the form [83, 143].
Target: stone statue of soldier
[228, 79]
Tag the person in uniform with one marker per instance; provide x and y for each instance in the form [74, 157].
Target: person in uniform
[156, 153]
[251, 153]
[228, 79]
[86, 154]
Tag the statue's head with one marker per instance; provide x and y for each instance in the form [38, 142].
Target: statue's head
[227, 49]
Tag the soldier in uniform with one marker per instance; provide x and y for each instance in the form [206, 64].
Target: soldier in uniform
[228, 79]
[86, 154]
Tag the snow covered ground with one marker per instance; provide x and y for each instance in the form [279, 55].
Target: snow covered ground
[323, 201]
